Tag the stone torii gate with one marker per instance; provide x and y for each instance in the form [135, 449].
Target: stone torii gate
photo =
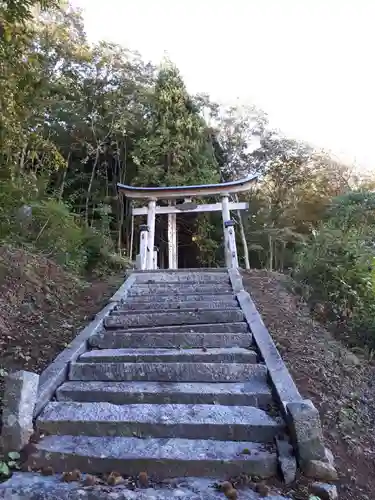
[147, 256]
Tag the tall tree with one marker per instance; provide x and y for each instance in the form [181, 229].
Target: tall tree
[177, 147]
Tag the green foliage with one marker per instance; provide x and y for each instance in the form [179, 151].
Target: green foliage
[176, 148]
[337, 265]
[57, 232]
[353, 210]
[11, 461]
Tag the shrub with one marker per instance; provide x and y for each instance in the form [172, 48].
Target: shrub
[337, 268]
[52, 228]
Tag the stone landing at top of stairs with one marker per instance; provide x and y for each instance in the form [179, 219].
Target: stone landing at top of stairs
[171, 384]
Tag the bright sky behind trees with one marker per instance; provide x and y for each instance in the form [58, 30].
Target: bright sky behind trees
[308, 63]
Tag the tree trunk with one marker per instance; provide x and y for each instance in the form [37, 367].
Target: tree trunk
[89, 189]
[270, 247]
[243, 237]
[122, 176]
[131, 238]
[62, 187]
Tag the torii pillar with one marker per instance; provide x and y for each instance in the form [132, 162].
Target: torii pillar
[151, 214]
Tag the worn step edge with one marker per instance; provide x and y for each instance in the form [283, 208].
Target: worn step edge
[173, 318]
[169, 339]
[183, 285]
[190, 290]
[235, 327]
[161, 458]
[167, 372]
[158, 310]
[223, 282]
[191, 277]
[253, 393]
[228, 297]
[150, 355]
[174, 306]
[224, 423]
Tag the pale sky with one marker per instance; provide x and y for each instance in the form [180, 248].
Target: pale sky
[308, 63]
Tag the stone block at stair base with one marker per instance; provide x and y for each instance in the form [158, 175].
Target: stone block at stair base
[317, 469]
[306, 431]
[20, 396]
[324, 491]
[287, 460]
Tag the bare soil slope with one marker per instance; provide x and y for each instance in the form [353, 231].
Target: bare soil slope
[41, 308]
[340, 383]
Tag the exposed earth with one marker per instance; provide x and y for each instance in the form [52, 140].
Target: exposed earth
[42, 306]
[340, 383]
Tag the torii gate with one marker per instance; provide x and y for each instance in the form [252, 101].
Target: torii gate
[147, 256]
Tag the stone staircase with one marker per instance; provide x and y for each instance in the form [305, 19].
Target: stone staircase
[177, 378]
[172, 385]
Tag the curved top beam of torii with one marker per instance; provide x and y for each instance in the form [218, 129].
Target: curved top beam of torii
[173, 192]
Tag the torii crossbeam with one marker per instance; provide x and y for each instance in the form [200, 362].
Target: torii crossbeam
[147, 259]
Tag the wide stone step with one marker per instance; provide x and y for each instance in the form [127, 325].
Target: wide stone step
[228, 297]
[150, 355]
[167, 372]
[156, 308]
[252, 393]
[172, 318]
[179, 289]
[161, 458]
[177, 305]
[239, 327]
[34, 486]
[233, 423]
[179, 277]
[170, 339]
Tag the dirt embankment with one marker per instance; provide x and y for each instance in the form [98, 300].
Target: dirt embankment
[41, 308]
[340, 383]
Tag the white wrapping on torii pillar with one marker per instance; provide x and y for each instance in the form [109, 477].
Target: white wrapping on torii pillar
[143, 247]
[148, 257]
[151, 214]
[230, 248]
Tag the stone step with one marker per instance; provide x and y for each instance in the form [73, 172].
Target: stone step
[34, 486]
[228, 297]
[149, 308]
[179, 289]
[179, 277]
[167, 372]
[161, 458]
[251, 393]
[152, 355]
[172, 318]
[177, 305]
[193, 421]
[171, 338]
[239, 327]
